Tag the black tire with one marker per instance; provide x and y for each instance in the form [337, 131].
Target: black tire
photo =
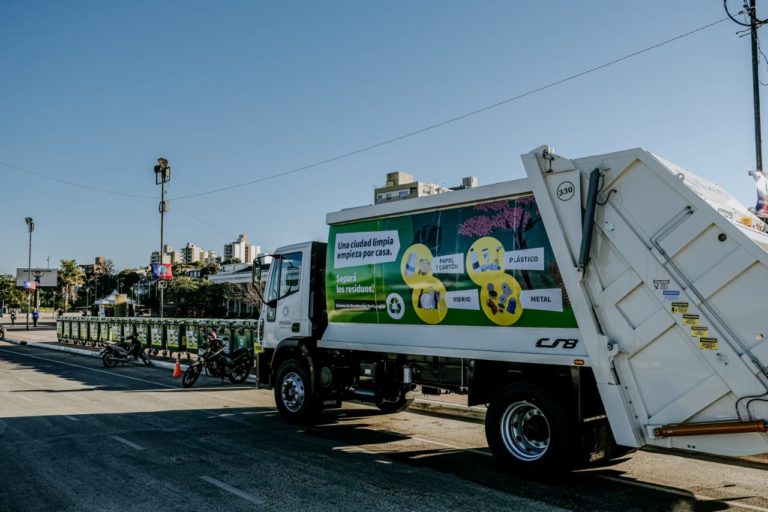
[190, 375]
[108, 360]
[399, 405]
[294, 393]
[2, 335]
[240, 373]
[528, 431]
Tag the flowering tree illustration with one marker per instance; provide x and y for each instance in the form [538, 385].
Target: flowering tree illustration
[518, 215]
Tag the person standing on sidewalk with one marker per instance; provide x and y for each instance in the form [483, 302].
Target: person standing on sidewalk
[13, 317]
[35, 316]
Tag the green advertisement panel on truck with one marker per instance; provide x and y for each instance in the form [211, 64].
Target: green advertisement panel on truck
[489, 264]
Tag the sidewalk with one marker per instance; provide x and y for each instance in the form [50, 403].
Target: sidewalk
[44, 337]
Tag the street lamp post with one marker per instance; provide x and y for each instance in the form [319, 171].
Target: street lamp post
[162, 176]
[30, 228]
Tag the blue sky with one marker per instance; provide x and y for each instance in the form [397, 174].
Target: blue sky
[93, 92]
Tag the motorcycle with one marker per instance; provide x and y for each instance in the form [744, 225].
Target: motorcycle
[213, 359]
[114, 353]
[2, 332]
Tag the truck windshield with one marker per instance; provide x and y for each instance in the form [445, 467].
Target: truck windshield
[284, 276]
[272, 281]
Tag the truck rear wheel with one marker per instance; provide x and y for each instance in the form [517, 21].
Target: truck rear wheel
[528, 431]
[293, 393]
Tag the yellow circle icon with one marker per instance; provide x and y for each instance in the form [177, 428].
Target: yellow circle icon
[485, 260]
[429, 300]
[416, 265]
[500, 299]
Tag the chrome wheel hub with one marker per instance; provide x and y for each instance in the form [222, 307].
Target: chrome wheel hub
[292, 392]
[525, 431]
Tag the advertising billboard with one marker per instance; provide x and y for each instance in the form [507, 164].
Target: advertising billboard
[42, 277]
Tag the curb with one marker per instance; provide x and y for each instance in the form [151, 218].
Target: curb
[419, 405]
[474, 414]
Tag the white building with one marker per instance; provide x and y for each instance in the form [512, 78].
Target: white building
[241, 250]
[401, 185]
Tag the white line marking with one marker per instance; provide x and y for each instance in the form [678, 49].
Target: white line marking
[127, 442]
[230, 489]
[114, 374]
[689, 495]
[225, 415]
[71, 418]
[348, 448]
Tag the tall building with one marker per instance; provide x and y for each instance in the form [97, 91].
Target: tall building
[98, 261]
[241, 250]
[169, 255]
[401, 185]
[192, 253]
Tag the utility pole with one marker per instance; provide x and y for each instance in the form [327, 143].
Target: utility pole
[754, 24]
[162, 176]
[31, 228]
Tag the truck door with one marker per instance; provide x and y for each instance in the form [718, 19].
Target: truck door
[284, 306]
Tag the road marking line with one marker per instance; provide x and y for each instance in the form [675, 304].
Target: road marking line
[71, 418]
[689, 495]
[91, 369]
[127, 442]
[350, 448]
[230, 489]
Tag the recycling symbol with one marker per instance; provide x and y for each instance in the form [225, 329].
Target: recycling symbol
[395, 306]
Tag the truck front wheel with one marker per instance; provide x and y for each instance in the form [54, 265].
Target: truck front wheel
[293, 393]
[527, 431]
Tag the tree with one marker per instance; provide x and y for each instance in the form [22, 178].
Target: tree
[194, 297]
[10, 294]
[246, 294]
[102, 269]
[210, 269]
[71, 277]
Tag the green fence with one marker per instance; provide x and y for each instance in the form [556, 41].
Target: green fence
[173, 335]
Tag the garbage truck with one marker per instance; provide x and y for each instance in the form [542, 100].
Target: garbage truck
[599, 305]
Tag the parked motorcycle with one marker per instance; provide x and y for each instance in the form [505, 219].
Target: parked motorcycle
[213, 359]
[2, 332]
[124, 352]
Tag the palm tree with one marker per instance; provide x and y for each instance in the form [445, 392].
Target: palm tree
[71, 277]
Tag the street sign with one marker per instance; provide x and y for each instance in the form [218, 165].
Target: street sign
[43, 277]
[162, 271]
[162, 284]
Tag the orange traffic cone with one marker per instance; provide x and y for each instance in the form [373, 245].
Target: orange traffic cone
[177, 369]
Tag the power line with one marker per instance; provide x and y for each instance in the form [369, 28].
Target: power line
[454, 119]
[201, 221]
[387, 141]
[72, 183]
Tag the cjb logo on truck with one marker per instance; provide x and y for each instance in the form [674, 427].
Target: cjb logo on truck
[568, 343]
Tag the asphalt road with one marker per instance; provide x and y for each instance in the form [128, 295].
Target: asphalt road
[76, 436]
